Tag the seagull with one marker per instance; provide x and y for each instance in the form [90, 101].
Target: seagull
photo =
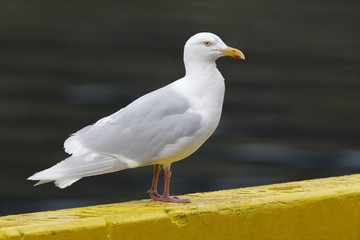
[159, 128]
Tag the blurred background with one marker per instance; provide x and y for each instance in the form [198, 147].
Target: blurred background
[291, 110]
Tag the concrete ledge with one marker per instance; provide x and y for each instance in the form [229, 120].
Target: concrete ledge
[316, 209]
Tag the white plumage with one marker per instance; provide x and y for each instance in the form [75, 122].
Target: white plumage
[160, 127]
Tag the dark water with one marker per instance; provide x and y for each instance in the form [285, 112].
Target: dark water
[291, 110]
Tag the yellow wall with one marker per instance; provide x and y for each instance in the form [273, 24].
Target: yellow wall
[326, 209]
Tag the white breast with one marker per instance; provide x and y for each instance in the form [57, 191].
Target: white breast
[205, 92]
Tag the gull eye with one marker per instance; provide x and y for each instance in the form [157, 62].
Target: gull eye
[207, 43]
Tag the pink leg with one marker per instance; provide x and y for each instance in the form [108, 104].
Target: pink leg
[166, 196]
[153, 190]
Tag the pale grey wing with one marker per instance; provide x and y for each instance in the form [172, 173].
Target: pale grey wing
[140, 131]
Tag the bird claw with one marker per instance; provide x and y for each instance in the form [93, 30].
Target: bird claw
[175, 199]
[156, 197]
[153, 194]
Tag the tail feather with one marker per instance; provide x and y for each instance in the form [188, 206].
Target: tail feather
[73, 169]
[41, 182]
[63, 183]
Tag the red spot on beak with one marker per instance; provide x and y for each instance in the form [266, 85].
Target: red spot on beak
[237, 56]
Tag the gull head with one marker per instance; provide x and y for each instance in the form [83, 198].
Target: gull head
[207, 47]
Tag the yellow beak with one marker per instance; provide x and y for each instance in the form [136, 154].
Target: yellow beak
[233, 52]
